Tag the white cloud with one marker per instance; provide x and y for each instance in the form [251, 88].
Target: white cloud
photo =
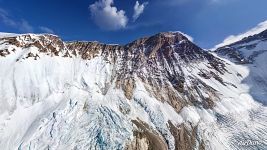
[138, 9]
[174, 3]
[234, 38]
[24, 26]
[4, 17]
[46, 30]
[21, 25]
[190, 38]
[108, 17]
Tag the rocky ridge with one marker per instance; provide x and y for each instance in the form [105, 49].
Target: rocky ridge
[246, 50]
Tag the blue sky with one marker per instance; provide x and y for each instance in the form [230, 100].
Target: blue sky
[209, 22]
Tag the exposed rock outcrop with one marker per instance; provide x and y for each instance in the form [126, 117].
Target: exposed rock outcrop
[145, 138]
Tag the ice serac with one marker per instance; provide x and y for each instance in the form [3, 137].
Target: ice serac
[157, 92]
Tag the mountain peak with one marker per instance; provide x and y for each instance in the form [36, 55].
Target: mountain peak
[174, 35]
[166, 43]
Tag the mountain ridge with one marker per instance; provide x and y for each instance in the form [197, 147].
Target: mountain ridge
[159, 91]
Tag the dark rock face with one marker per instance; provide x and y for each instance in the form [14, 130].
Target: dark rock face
[233, 54]
[145, 138]
[184, 138]
[161, 56]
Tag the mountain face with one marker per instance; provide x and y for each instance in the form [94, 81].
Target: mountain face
[252, 53]
[158, 92]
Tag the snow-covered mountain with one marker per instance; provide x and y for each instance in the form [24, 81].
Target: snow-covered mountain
[158, 92]
[252, 53]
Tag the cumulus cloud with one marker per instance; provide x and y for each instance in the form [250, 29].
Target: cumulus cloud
[22, 25]
[138, 9]
[107, 16]
[46, 30]
[234, 38]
